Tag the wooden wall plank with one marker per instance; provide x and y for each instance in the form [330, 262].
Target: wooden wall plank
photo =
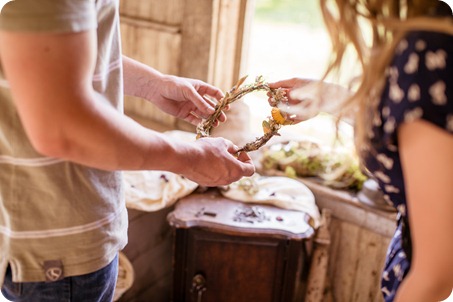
[214, 32]
[150, 250]
[166, 12]
[158, 48]
[335, 240]
[153, 274]
[345, 260]
[197, 28]
[372, 250]
[228, 44]
[357, 256]
[155, 47]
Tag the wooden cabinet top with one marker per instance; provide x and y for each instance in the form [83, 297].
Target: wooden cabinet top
[213, 211]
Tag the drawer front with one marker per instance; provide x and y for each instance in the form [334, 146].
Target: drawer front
[233, 268]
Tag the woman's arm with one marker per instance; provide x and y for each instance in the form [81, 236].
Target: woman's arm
[427, 159]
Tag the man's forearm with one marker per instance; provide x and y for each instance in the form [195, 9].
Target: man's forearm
[138, 77]
[100, 137]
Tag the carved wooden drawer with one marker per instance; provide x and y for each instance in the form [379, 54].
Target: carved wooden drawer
[230, 251]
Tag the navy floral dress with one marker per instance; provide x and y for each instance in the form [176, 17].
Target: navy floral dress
[419, 86]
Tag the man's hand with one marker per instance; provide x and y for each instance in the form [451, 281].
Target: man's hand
[213, 162]
[184, 98]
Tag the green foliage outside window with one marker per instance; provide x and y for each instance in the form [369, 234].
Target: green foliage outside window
[305, 12]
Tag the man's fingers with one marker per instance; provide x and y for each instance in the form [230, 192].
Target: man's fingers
[244, 157]
[249, 168]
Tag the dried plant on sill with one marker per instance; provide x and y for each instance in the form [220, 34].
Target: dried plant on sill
[270, 126]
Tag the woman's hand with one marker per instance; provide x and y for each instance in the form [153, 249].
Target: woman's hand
[301, 95]
[307, 98]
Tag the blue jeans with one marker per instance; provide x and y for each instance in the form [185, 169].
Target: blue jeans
[94, 287]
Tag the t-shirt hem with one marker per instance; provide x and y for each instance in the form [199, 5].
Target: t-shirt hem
[77, 269]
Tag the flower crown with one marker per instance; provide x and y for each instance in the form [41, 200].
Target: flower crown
[270, 126]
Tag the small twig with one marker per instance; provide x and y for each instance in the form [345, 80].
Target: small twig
[258, 142]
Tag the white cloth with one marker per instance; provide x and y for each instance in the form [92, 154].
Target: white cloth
[155, 190]
[282, 192]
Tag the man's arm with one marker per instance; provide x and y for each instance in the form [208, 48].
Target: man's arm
[50, 76]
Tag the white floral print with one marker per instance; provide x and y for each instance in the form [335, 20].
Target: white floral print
[413, 114]
[420, 45]
[402, 46]
[436, 60]
[413, 94]
[396, 93]
[383, 177]
[390, 124]
[450, 122]
[385, 160]
[385, 111]
[402, 209]
[437, 92]
[391, 189]
[412, 64]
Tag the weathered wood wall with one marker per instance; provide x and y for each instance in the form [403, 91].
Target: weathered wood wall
[200, 39]
[356, 260]
[150, 251]
[359, 239]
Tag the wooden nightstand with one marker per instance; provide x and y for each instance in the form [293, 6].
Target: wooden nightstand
[227, 250]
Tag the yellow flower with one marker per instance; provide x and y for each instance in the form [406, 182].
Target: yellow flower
[278, 116]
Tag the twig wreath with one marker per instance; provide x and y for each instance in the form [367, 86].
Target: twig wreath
[270, 126]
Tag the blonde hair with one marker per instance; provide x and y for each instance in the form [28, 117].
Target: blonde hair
[387, 22]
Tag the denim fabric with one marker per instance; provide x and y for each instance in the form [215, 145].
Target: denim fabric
[94, 287]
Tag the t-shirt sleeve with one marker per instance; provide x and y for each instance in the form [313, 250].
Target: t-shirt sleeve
[419, 83]
[57, 16]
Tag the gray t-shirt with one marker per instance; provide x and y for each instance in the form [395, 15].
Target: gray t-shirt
[54, 212]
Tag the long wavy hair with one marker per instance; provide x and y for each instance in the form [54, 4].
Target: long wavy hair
[372, 29]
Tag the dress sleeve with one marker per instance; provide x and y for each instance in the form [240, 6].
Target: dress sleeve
[419, 84]
[57, 16]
